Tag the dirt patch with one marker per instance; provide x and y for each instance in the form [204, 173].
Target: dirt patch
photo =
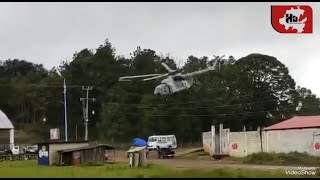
[191, 162]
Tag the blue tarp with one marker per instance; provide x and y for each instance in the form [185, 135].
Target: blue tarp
[138, 142]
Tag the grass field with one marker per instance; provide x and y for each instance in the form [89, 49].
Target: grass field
[31, 169]
[288, 159]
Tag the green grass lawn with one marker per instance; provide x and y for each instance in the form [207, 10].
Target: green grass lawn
[32, 169]
[287, 159]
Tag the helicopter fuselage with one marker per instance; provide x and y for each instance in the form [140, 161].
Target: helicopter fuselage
[173, 84]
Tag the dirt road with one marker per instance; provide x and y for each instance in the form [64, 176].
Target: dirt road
[185, 163]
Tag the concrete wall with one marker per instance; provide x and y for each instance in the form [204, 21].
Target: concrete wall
[235, 144]
[285, 141]
[216, 144]
[206, 141]
[242, 144]
[54, 155]
[225, 141]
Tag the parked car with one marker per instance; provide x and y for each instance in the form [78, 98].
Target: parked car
[5, 152]
[165, 153]
[31, 149]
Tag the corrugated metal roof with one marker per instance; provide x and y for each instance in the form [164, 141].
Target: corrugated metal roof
[85, 148]
[62, 142]
[5, 122]
[297, 122]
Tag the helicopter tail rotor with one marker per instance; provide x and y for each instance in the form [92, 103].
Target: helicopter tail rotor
[216, 62]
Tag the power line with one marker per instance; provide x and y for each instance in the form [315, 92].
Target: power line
[208, 107]
[190, 102]
[206, 115]
[38, 85]
[221, 114]
[195, 102]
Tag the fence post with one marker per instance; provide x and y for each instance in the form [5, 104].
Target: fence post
[212, 139]
[220, 138]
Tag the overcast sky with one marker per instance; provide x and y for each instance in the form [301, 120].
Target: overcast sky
[48, 33]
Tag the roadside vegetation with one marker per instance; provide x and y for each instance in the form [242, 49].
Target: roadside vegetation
[287, 159]
[29, 169]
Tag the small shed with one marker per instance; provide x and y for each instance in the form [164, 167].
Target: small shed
[84, 155]
[48, 151]
[137, 156]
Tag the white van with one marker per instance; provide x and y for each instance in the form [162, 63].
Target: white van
[162, 141]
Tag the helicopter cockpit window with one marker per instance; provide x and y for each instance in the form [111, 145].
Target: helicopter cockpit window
[178, 78]
[166, 89]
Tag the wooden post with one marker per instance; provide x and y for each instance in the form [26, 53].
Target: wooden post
[130, 159]
[136, 159]
[213, 142]
[143, 158]
[220, 138]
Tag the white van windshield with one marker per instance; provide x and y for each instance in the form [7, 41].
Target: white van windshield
[152, 139]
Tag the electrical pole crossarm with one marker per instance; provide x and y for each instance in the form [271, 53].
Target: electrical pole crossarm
[86, 109]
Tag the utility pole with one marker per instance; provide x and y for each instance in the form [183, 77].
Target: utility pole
[85, 102]
[76, 132]
[65, 110]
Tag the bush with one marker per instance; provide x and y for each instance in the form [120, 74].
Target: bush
[292, 158]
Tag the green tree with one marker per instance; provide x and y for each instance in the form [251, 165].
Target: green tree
[308, 104]
[269, 82]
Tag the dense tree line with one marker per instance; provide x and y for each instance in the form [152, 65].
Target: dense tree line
[254, 91]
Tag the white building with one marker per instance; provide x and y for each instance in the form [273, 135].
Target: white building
[300, 133]
[6, 125]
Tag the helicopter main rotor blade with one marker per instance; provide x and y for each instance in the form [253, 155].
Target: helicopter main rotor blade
[157, 77]
[125, 78]
[167, 67]
[214, 67]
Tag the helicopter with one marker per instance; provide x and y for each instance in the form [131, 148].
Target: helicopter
[173, 82]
